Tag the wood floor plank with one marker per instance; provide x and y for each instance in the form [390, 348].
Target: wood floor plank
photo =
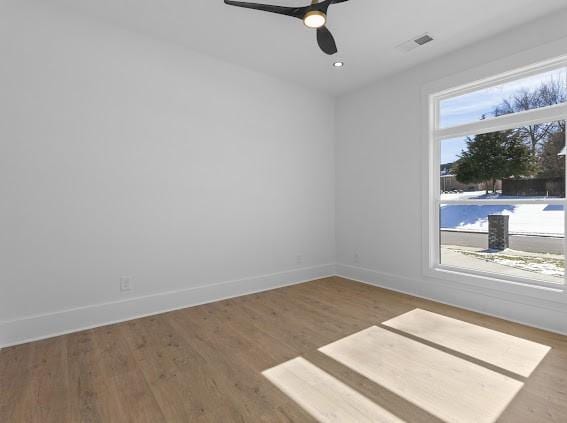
[122, 371]
[206, 363]
[49, 385]
[15, 379]
[93, 397]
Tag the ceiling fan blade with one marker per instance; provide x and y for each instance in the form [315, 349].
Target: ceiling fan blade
[338, 1]
[296, 12]
[326, 41]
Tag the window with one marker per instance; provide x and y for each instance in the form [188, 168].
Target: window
[497, 177]
[505, 98]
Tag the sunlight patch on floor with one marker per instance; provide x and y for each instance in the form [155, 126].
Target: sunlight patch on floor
[508, 352]
[323, 396]
[448, 387]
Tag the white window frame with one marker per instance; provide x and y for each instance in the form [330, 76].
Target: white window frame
[457, 85]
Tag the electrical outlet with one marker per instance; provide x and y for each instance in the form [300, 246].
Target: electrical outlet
[299, 259]
[125, 285]
[356, 258]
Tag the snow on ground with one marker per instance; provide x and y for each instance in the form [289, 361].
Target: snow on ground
[463, 195]
[538, 264]
[544, 267]
[539, 219]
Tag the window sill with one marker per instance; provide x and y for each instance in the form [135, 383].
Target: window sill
[490, 284]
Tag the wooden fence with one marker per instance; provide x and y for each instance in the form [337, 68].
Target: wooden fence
[540, 187]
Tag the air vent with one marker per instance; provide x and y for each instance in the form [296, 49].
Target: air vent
[415, 43]
[424, 39]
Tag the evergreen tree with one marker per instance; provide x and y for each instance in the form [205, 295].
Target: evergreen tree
[551, 164]
[493, 156]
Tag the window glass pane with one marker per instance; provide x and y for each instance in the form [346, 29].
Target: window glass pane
[524, 163]
[523, 241]
[529, 93]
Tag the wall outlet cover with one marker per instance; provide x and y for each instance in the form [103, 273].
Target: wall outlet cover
[125, 285]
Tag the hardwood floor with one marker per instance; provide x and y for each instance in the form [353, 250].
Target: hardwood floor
[206, 364]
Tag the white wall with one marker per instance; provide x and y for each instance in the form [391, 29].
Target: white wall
[121, 156]
[124, 157]
[379, 180]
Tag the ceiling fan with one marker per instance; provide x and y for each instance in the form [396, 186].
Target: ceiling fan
[313, 16]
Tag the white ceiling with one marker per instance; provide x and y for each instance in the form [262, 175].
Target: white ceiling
[366, 31]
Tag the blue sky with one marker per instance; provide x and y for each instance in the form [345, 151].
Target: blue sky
[470, 107]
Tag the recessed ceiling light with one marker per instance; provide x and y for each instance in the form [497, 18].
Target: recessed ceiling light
[338, 64]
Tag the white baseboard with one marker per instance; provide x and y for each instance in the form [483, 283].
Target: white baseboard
[33, 328]
[499, 305]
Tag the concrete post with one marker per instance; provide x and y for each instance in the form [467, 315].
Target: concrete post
[498, 237]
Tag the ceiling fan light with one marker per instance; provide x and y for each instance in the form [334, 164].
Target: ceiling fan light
[314, 19]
